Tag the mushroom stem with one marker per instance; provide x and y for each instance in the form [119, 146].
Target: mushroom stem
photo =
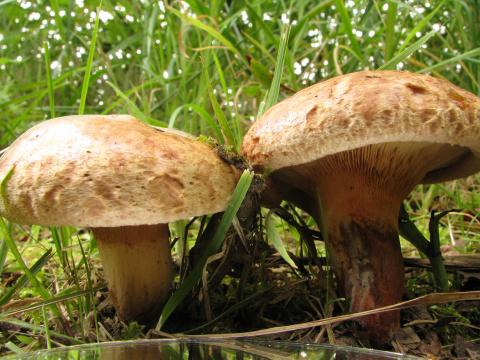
[361, 235]
[358, 197]
[138, 267]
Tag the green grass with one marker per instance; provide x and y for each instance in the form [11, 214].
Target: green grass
[213, 247]
[205, 68]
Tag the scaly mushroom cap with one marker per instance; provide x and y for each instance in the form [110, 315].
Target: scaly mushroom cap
[365, 108]
[349, 150]
[108, 171]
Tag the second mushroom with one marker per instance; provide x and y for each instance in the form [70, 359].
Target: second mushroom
[124, 180]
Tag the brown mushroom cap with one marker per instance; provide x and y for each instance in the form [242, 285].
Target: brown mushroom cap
[109, 171]
[365, 108]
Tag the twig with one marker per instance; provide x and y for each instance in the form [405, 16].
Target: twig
[435, 298]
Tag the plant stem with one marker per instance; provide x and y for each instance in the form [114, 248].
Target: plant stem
[430, 249]
[435, 254]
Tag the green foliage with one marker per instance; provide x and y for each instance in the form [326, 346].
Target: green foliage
[48, 74]
[274, 236]
[22, 281]
[88, 68]
[145, 58]
[272, 95]
[214, 245]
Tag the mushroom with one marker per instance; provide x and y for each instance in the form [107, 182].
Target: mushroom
[124, 180]
[349, 150]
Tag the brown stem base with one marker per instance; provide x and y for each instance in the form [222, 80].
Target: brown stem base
[138, 267]
[358, 193]
[361, 228]
[367, 261]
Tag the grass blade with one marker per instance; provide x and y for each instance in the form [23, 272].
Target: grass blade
[40, 329]
[67, 294]
[260, 23]
[23, 280]
[274, 91]
[273, 235]
[452, 60]
[108, 109]
[237, 197]
[259, 46]
[58, 19]
[219, 114]
[390, 42]
[347, 24]
[204, 115]
[420, 26]
[308, 16]
[134, 108]
[14, 348]
[5, 2]
[89, 298]
[48, 71]
[88, 67]
[391, 64]
[47, 329]
[18, 258]
[3, 254]
[3, 190]
[208, 29]
[222, 120]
